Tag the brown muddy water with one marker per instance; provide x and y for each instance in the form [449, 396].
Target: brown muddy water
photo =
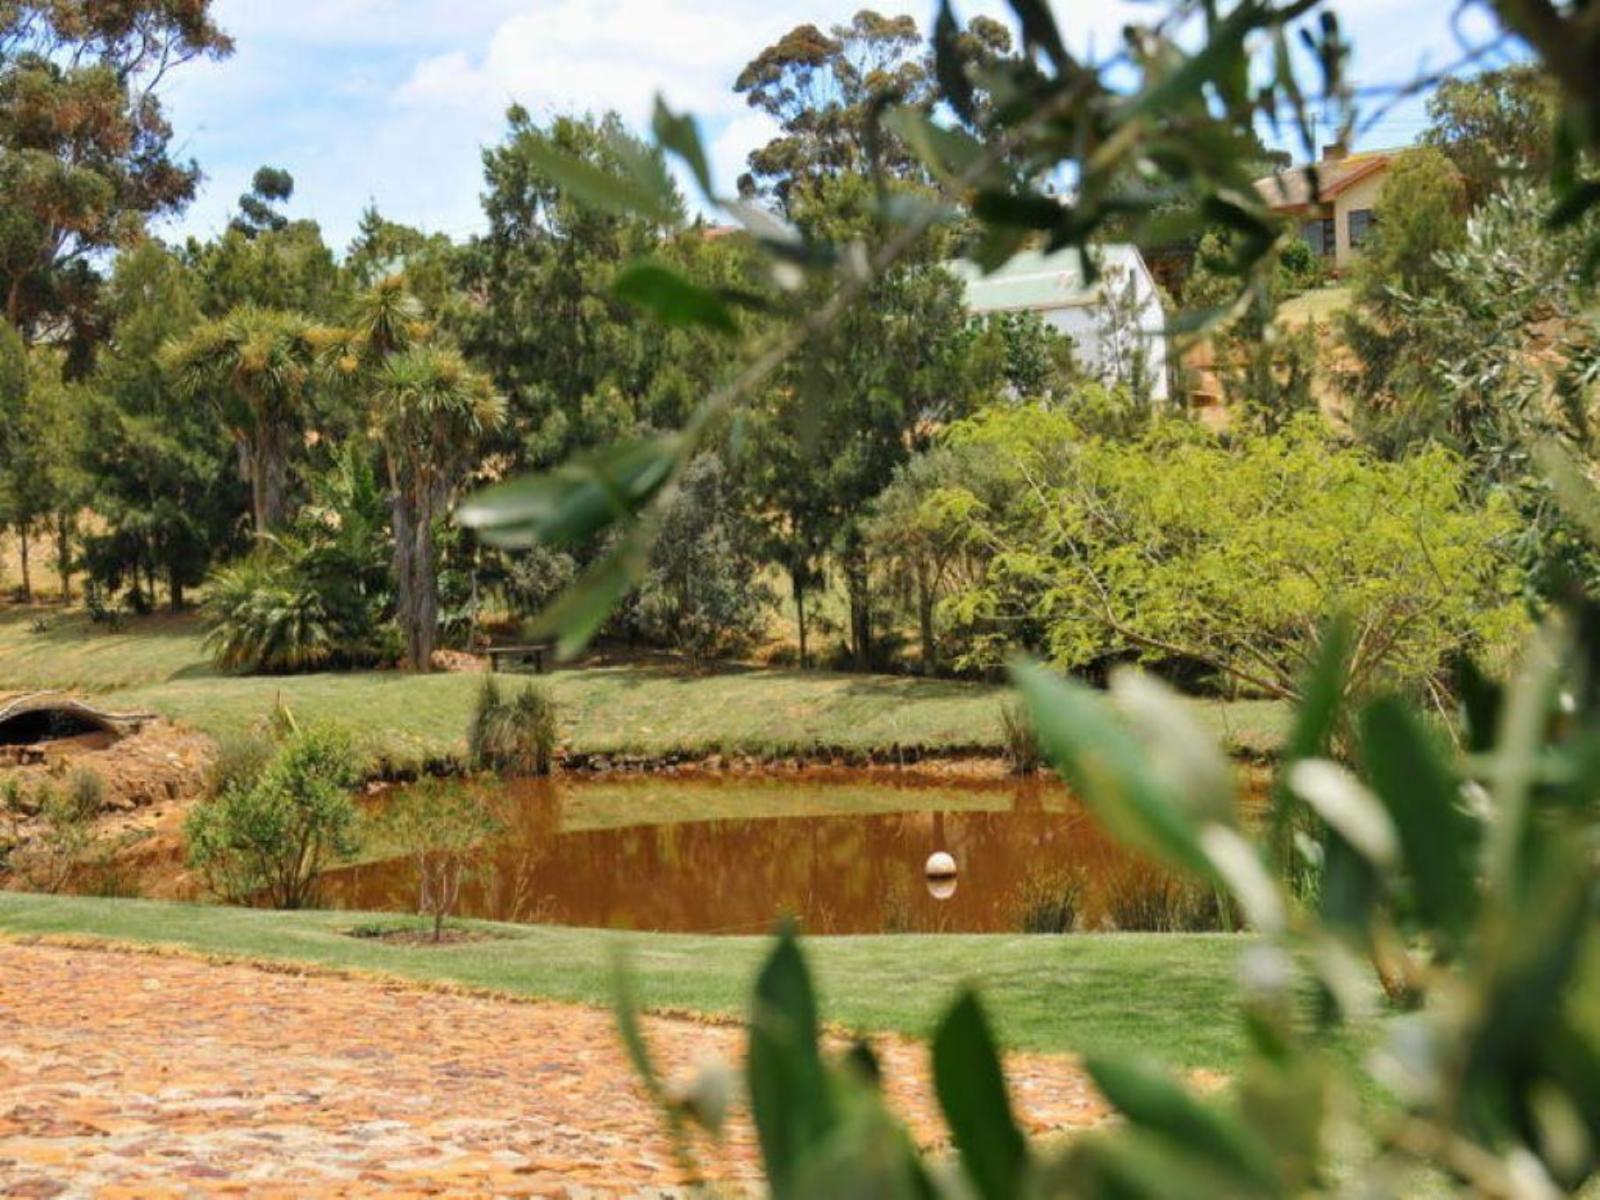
[840, 852]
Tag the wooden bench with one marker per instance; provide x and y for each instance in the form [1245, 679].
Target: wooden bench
[536, 654]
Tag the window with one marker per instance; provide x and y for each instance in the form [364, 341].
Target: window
[1358, 223]
[1318, 235]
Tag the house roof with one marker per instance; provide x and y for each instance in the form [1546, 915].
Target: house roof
[1033, 280]
[1292, 189]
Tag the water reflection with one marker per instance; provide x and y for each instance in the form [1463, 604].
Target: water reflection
[834, 872]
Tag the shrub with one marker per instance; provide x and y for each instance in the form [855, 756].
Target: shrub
[516, 735]
[1142, 899]
[1051, 900]
[274, 837]
[267, 619]
[47, 860]
[1021, 743]
[440, 825]
[240, 761]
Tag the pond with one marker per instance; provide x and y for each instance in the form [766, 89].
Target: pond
[841, 852]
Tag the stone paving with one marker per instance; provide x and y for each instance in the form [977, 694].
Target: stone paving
[127, 1074]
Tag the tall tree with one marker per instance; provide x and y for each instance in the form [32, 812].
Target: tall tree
[258, 208]
[85, 155]
[1494, 124]
[429, 411]
[166, 502]
[259, 363]
[820, 88]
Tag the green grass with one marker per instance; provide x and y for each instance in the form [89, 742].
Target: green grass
[1319, 304]
[159, 664]
[1167, 996]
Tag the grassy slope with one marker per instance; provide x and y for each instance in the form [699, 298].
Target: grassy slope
[158, 663]
[1168, 996]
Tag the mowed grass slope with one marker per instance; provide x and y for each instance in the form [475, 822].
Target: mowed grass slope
[1171, 997]
[159, 664]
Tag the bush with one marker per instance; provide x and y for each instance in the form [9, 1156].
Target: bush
[1051, 900]
[274, 837]
[267, 619]
[1141, 899]
[65, 835]
[440, 825]
[517, 736]
[1021, 743]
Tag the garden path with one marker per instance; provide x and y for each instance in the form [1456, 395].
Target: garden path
[135, 1074]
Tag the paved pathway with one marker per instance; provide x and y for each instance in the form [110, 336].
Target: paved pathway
[125, 1074]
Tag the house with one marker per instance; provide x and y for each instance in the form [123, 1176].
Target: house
[1116, 324]
[1335, 213]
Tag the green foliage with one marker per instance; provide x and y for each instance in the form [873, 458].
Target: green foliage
[703, 593]
[271, 838]
[1489, 924]
[1021, 742]
[440, 825]
[85, 150]
[1494, 125]
[158, 468]
[61, 834]
[1499, 360]
[1421, 216]
[313, 598]
[1100, 548]
[518, 735]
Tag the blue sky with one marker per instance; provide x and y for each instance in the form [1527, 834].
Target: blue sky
[392, 101]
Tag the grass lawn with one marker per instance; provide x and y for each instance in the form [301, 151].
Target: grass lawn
[1167, 996]
[158, 663]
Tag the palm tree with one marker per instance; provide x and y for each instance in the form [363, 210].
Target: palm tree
[429, 410]
[261, 361]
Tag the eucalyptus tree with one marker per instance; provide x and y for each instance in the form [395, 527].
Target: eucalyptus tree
[259, 365]
[85, 149]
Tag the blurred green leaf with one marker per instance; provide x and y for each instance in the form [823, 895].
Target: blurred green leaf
[679, 134]
[972, 1093]
[589, 185]
[579, 612]
[1108, 767]
[576, 501]
[948, 153]
[1156, 1103]
[1437, 838]
[789, 1090]
[1039, 30]
[948, 64]
[672, 298]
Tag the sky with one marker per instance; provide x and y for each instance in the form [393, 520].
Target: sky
[392, 101]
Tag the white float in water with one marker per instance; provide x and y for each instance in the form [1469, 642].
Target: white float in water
[940, 866]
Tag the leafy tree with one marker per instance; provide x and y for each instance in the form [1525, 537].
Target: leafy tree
[1421, 214]
[258, 364]
[161, 482]
[40, 488]
[441, 826]
[821, 89]
[918, 533]
[1503, 358]
[430, 412]
[1267, 369]
[85, 155]
[288, 268]
[1493, 125]
[1102, 545]
[258, 214]
[702, 592]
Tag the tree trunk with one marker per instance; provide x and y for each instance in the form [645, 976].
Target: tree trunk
[797, 583]
[175, 589]
[930, 649]
[859, 585]
[22, 553]
[64, 555]
[269, 478]
[416, 593]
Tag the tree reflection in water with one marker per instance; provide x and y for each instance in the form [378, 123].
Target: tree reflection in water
[841, 852]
